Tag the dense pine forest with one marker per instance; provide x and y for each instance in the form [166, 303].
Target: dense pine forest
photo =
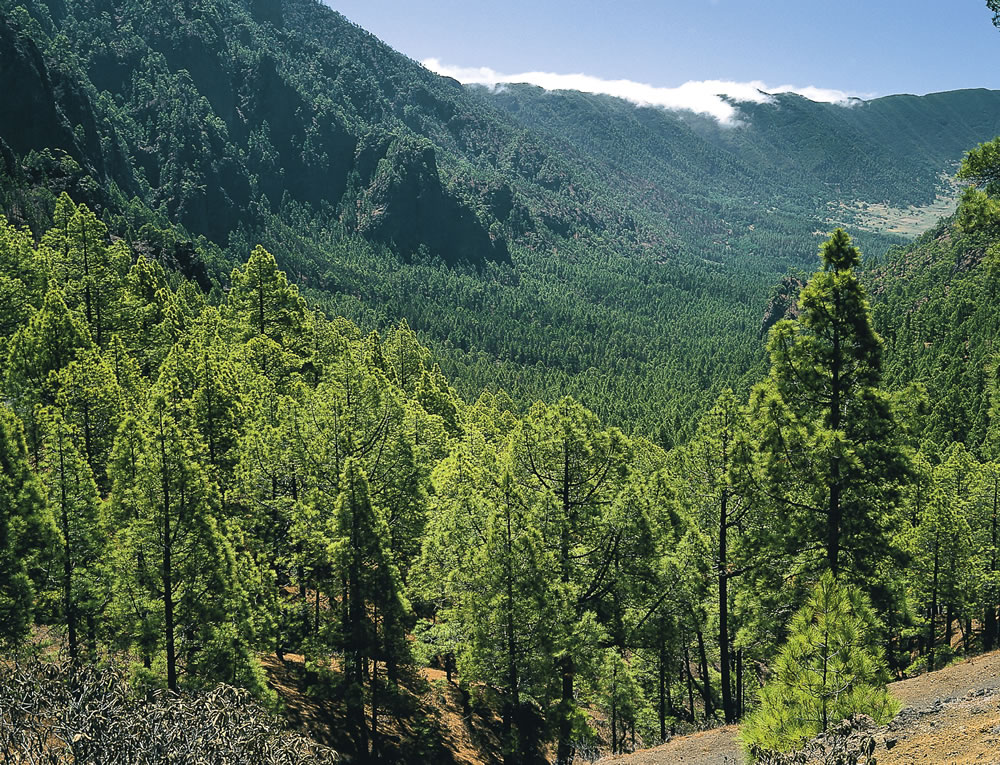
[317, 363]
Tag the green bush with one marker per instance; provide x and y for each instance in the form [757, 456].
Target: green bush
[829, 670]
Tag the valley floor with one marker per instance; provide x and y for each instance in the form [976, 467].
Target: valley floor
[950, 716]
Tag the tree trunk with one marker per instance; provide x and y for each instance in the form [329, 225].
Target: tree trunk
[690, 682]
[706, 683]
[739, 684]
[564, 753]
[949, 618]
[374, 686]
[934, 606]
[68, 605]
[727, 690]
[168, 585]
[662, 698]
[990, 624]
[834, 511]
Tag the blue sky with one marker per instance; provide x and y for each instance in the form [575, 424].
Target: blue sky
[878, 47]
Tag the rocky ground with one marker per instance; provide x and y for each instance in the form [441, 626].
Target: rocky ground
[951, 716]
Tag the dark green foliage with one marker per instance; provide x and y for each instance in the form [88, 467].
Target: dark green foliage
[287, 466]
[614, 249]
[80, 551]
[833, 453]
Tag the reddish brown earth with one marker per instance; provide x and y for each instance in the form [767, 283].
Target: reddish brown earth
[951, 716]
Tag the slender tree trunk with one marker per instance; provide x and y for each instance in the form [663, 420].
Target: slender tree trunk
[739, 684]
[690, 682]
[374, 686]
[564, 754]
[990, 617]
[614, 711]
[949, 618]
[662, 697]
[68, 605]
[706, 683]
[670, 700]
[511, 741]
[567, 667]
[934, 607]
[834, 518]
[168, 572]
[506, 728]
[724, 649]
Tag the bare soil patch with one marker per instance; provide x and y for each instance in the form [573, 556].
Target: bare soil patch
[951, 716]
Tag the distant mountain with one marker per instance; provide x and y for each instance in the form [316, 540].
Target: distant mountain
[763, 185]
[547, 243]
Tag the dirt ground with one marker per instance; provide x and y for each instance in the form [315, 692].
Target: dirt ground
[712, 747]
[951, 717]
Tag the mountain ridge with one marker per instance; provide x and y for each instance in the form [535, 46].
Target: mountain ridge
[390, 192]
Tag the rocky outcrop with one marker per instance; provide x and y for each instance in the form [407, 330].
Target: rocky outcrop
[783, 304]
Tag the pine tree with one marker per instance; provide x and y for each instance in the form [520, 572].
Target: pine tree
[564, 456]
[177, 589]
[217, 414]
[51, 341]
[710, 464]
[73, 498]
[89, 270]
[832, 452]
[828, 670]
[26, 529]
[90, 400]
[266, 304]
[621, 697]
[373, 609]
[506, 603]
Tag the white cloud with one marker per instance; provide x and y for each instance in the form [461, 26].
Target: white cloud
[701, 97]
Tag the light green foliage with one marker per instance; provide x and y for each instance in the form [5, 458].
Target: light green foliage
[828, 670]
[316, 480]
[92, 402]
[26, 529]
[264, 302]
[177, 594]
[621, 698]
[981, 166]
[50, 341]
[711, 473]
[89, 270]
[372, 608]
[79, 554]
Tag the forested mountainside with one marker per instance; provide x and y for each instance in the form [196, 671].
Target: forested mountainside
[351, 466]
[633, 282]
[194, 482]
[756, 191]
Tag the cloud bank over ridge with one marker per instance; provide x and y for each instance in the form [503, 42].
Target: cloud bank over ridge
[701, 97]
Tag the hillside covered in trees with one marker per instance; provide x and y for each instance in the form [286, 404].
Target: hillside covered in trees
[192, 480]
[314, 359]
[617, 250]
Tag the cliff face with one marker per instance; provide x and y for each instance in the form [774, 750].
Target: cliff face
[783, 304]
[218, 115]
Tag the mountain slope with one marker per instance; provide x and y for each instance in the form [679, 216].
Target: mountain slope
[545, 243]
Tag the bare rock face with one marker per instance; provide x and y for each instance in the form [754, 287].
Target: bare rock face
[784, 302]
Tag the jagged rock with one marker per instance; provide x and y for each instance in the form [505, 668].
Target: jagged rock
[784, 302]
